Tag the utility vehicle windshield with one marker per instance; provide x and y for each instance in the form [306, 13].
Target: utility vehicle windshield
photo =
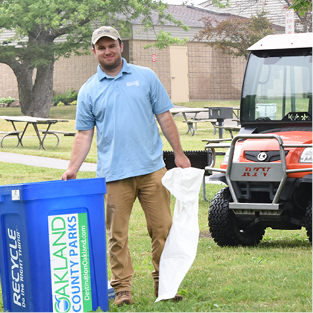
[278, 86]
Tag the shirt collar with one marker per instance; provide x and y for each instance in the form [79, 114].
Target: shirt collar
[125, 69]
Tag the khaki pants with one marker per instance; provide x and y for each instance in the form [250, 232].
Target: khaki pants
[155, 202]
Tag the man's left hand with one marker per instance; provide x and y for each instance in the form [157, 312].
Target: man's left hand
[182, 161]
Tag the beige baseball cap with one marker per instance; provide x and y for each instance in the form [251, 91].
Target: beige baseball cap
[105, 31]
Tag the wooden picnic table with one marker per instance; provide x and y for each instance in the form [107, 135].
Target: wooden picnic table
[35, 121]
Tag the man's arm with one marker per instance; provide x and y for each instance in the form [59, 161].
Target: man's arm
[170, 132]
[81, 147]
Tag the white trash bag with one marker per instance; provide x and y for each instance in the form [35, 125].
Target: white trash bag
[181, 244]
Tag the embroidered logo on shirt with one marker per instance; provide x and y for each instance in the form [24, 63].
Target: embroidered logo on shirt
[134, 83]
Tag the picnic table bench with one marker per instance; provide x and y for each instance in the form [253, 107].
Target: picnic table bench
[11, 133]
[237, 120]
[55, 132]
[212, 144]
[192, 124]
[230, 129]
[216, 140]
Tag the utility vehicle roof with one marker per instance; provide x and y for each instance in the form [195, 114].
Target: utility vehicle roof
[284, 41]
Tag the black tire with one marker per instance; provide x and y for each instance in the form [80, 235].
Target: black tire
[223, 224]
[308, 220]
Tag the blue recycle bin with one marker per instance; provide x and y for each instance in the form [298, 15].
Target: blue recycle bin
[53, 247]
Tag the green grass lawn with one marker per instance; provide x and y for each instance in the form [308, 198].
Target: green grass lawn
[275, 276]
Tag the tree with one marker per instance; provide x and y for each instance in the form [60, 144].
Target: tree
[233, 36]
[304, 23]
[301, 6]
[45, 30]
[303, 10]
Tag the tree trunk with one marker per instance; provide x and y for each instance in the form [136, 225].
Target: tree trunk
[35, 98]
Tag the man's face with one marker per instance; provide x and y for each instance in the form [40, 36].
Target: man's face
[108, 52]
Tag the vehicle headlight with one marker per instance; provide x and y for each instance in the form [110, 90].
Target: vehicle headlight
[306, 155]
[226, 156]
[236, 154]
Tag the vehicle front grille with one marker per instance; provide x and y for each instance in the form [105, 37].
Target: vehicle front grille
[271, 156]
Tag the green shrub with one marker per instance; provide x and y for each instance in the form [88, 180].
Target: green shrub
[7, 101]
[67, 97]
[60, 104]
[73, 102]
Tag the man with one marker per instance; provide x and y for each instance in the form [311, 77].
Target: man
[122, 101]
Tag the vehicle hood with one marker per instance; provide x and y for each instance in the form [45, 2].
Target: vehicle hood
[288, 137]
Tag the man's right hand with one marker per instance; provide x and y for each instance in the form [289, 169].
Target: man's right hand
[69, 174]
[81, 146]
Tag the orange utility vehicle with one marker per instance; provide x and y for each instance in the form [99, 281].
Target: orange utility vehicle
[268, 166]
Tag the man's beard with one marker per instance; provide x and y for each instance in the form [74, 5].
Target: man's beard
[111, 66]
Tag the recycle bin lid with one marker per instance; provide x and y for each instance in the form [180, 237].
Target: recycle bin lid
[55, 189]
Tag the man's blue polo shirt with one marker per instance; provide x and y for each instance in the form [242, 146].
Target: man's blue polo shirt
[123, 110]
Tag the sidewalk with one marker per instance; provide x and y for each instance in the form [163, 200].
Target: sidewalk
[53, 163]
[43, 161]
